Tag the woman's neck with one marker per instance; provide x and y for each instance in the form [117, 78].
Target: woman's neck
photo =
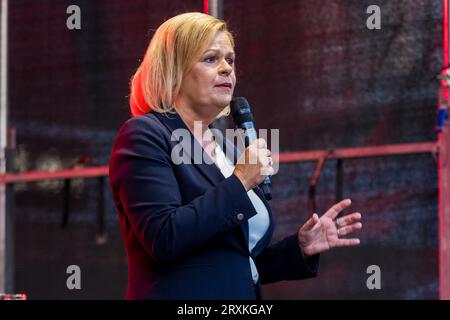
[197, 123]
[199, 126]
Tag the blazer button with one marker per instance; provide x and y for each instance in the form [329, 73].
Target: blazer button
[240, 216]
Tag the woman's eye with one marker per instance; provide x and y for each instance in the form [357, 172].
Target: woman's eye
[230, 61]
[210, 59]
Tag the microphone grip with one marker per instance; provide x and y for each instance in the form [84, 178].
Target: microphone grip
[250, 136]
[266, 189]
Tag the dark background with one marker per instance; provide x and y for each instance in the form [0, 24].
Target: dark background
[310, 68]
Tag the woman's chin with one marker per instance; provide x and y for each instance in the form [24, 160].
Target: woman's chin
[223, 101]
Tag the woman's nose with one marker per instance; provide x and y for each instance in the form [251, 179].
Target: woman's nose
[225, 68]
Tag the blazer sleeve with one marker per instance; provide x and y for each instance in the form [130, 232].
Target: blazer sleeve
[284, 260]
[143, 180]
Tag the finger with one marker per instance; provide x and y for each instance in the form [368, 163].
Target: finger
[347, 242]
[338, 207]
[261, 143]
[349, 229]
[311, 222]
[348, 219]
[253, 154]
[264, 160]
[266, 171]
[263, 152]
[316, 218]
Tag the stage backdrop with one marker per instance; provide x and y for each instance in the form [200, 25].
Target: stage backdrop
[309, 68]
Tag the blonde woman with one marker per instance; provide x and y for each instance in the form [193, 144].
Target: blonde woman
[201, 230]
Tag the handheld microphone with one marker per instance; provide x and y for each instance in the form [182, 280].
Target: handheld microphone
[243, 119]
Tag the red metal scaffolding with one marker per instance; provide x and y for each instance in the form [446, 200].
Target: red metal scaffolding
[444, 171]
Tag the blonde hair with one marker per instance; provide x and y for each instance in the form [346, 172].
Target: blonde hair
[176, 45]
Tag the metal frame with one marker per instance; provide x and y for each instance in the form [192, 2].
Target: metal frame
[213, 7]
[4, 273]
[444, 169]
[432, 148]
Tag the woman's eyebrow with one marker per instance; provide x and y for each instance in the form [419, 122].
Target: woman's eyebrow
[217, 50]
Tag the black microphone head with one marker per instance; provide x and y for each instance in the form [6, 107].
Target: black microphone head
[243, 118]
[240, 111]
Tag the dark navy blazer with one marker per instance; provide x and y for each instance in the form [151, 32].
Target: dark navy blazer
[185, 226]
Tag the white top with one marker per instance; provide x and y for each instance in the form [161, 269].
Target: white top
[259, 223]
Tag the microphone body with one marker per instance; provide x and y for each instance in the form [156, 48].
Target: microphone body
[243, 119]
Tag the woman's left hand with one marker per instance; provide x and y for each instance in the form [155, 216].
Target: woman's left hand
[322, 234]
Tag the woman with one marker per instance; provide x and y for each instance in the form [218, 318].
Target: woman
[201, 230]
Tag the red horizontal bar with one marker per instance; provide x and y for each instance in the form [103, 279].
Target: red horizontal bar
[285, 157]
[90, 172]
[360, 152]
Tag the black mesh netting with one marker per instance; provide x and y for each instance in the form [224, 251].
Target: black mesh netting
[309, 68]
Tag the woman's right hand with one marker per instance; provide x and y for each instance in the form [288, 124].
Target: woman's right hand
[254, 165]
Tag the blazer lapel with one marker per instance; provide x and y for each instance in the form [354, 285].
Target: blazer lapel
[174, 122]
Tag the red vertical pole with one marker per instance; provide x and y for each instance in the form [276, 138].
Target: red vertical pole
[445, 29]
[206, 6]
[444, 173]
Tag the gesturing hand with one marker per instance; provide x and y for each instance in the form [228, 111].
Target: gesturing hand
[319, 235]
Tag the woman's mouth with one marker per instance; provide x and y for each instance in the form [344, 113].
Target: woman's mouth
[224, 87]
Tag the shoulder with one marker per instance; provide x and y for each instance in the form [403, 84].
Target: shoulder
[143, 131]
[144, 123]
[139, 138]
[145, 126]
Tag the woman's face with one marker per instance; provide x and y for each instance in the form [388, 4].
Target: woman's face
[208, 87]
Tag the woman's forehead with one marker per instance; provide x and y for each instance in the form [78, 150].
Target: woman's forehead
[221, 42]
